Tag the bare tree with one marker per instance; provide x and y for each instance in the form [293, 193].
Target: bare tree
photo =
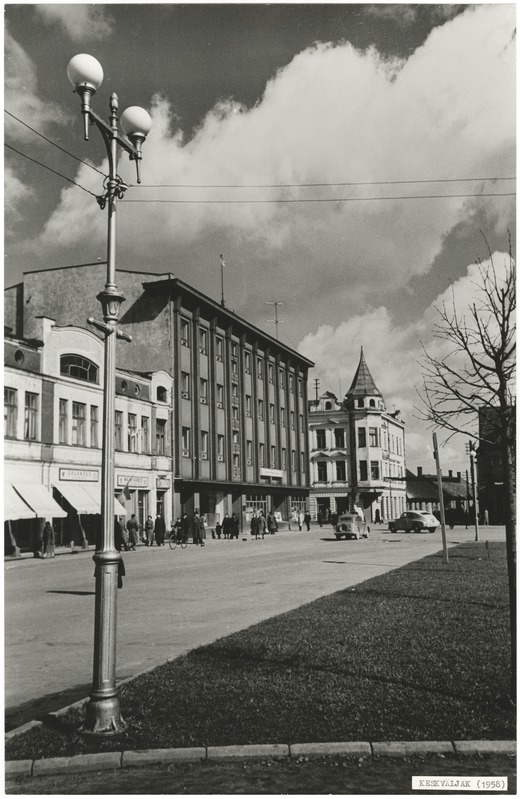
[474, 373]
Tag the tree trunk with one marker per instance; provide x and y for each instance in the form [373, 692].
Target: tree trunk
[509, 477]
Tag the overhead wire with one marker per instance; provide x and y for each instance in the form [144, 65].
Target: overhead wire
[325, 199]
[54, 144]
[312, 185]
[49, 168]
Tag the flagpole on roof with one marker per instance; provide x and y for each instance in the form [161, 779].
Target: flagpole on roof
[222, 265]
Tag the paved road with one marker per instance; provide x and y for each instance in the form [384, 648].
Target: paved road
[174, 601]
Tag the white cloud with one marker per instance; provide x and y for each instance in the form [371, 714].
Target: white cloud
[393, 352]
[17, 192]
[81, 22]
[333, 114]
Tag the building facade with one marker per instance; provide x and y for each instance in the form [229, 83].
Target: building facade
[238, 438]
[357, 452]
[53, 412]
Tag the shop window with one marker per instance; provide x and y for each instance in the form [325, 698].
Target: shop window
[78, 367]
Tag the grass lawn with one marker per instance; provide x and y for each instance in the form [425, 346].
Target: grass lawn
[420, 653]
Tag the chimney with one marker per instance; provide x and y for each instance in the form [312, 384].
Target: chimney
[419, 471]
[450, 474]
[458, 476]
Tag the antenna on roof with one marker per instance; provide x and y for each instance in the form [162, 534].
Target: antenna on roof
[222, 265]
[275, 320]
[316, 387]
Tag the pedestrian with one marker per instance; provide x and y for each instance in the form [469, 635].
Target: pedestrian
[254, 525]
[235, 526]
[334, 520]
[300, 520]
[486, 516]
[271, 523]
[148, 532]
[48, 540]
[218, 530]
[262, 525]
[307, 519]
[185, 527]
[198, 529]
[226, 526]
[119, 542]
[132, 527]
[124, 535]
[320, 518]
[159, 530]
[294, 517]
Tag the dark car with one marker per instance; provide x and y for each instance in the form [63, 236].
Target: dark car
[351, 525]
[413, 521]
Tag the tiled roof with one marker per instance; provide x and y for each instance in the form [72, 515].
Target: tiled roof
[363, 382]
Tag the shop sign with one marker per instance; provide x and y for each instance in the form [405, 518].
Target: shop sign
[162, 482]
[271, 473]
[80, 475]
[123, 481]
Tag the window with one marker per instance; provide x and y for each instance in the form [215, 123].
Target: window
[219, 348]
[320, 439]
[291, 383]
[204, 444]
[341, 473]
[362, 436]
[186, 441]
[78, 367]
[284, 459]
[118, 430]
[301, 421]
[374, 470]
[203, 340]
[94, 426]
[185, 332]
[270, 372]
[10, 412]
[220, 395]
[261, 449]
[247, 362]
[273, 456]
[248, 405]
[162, 394]
[31, 417]
[132, 432]
[259, 369]
[79, 432]
[160, 436]
[282, 417]
[292, 420]
[145, 434]
[63, 422]
[234, 413]
[300, 386]
[373, 437]
[293, 460]
[220, 447]
[234, 392]
[271, 412]
[363, 471]
[281, 375]
[234, 367]
[236, 439]
[249, 450]
[361, 403]
[372, 403]
[185, 385]
[322, 471]
[236, 462]
[203, 390]
[339, 435]
[260, 409]
[234, 349]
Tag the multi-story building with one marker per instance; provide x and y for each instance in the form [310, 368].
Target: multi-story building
[357, 452]
[490, 466]
[53, 411]
[239, 400]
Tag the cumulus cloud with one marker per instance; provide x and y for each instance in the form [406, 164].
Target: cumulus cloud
[17, 192]
[80, 22]
[332, 115]
[393, 350]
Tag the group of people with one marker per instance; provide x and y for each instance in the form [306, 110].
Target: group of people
[230, 527]
[300, 518]
[260, 525]
[129, 534]
[194, 525]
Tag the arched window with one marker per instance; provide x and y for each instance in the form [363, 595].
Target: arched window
[328, 406]
[79, 367]
[162, 394]
[361, 403]
[372, 403]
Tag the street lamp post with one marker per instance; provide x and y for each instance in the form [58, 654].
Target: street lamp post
[103, 715]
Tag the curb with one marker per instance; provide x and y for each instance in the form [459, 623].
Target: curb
[146, 757]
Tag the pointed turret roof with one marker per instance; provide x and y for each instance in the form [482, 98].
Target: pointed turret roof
[363, 383]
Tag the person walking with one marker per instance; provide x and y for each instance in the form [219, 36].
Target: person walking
[320, 518]
[218, 530]
[48, 540]
[226, 526]
[132, 527]
[271, 523]
[262, 526]
[198, 529]
[159, 530]
[307, 519]
[148, 531]
[185, 527]
[300, 520]
[255, 526]
[119, 540]
[235, 526]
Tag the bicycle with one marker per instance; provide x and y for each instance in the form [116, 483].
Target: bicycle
[175, 539]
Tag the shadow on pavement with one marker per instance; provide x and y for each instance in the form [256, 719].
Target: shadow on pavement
[37, 709]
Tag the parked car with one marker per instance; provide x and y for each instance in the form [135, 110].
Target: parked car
[351, 525]
[413, 521]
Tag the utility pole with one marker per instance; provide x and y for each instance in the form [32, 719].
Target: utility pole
[275, 320]
[467, 497]
[472, 451]
[222, 265]
[316, 387]
[441, 497]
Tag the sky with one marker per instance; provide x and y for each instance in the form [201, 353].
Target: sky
[340, 157]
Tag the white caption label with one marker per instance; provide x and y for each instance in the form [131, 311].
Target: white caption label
[459, 783]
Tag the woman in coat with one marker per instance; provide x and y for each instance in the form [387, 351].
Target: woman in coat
[48, 541]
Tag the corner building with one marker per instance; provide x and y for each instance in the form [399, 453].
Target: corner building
[239, 401]
[357, 452]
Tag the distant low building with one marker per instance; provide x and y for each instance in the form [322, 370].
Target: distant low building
[422, 494]
[357, 452]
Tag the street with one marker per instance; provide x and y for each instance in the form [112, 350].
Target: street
[173, 601]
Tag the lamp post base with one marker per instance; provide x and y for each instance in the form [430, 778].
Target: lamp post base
[103, 718]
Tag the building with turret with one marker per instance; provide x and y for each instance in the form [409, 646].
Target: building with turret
[357, 452]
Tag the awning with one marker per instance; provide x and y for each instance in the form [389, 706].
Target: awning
[40, 500]
[87, 498]
[14, 506]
